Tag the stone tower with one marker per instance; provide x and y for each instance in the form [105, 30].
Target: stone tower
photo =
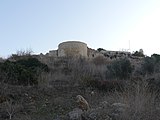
[72, 48]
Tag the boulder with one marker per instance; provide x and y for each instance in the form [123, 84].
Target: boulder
[117, 110]
[98, 113]
[119, 105]
[104, 111]
[75, 114]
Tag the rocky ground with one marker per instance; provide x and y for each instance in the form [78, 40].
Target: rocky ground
[59, 103]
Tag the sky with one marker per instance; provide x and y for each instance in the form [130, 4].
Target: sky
[40, 25]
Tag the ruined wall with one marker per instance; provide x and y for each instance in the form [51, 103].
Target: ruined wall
[53, 53]
[93, 53]
[109, 55]
[72, 48]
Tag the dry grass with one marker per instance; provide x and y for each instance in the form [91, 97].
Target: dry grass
[142, 104]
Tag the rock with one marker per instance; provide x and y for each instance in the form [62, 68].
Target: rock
[114, 116]
[75, 114]
[108, 118]
[92, 116]
[104, 111]
[96, 114]
[119, 105]
[104, 104]
[62, 117]
[117, 110]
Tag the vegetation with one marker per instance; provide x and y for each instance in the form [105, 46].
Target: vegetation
[120, 69]
[148, 66]
[98, 80]
[138, 54]
[22, 72]
[156, 57]
[101, 49]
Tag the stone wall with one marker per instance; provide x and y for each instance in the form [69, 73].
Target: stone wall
[93, 53]
[53, 53]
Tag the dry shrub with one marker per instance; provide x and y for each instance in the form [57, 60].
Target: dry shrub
[107, 85]
[21, 54]
[43, 79]
[142, 103]
[99, 60]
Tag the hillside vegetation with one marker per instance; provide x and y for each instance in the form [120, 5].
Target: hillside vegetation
[35, 88]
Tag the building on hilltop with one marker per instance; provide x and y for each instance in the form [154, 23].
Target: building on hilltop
[70, 48]
[77, 48]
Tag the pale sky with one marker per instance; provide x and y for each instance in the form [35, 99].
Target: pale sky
[41, 25]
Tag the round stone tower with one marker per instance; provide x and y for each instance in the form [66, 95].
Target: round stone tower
[72, 48]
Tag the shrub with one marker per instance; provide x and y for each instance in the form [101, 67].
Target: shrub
[156, 57]
[32, 63]
[120, 69]
[100, 49]
[22, 72]
[148, 66]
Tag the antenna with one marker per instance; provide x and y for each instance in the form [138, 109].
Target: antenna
[129, 46]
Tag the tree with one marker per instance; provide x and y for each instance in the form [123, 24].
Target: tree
[100, 49]
[139, 53]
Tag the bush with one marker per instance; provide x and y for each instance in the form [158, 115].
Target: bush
[32, 63]
[138, 54]
[156, 57]
[22, 72]
[100, 49]
[148, 66]
[120, 69]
